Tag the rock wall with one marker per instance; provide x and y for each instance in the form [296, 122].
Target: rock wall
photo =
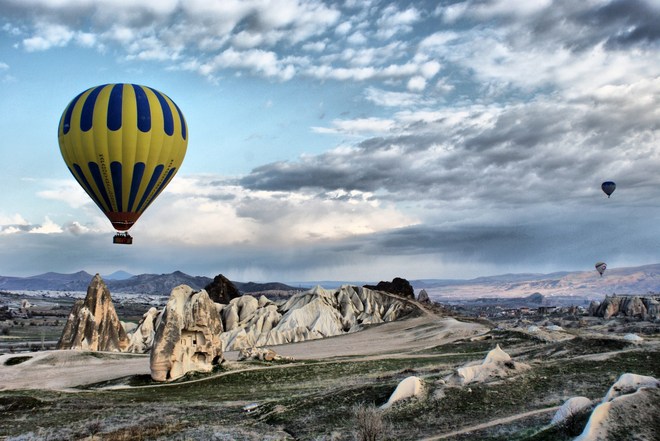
[641, 307]
[93, 323]
[187, 337]
[313, 314]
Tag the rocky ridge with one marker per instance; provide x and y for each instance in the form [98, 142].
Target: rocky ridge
[641, 307]
[313, 314]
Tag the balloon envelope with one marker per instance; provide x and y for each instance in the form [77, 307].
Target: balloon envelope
[601, 267]
[608, 187]
[123, 143]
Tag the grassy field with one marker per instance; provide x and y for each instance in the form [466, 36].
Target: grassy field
[315, 400]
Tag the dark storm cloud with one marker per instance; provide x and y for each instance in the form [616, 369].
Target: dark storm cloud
[618, 24]
[521, 152]
[565, 237]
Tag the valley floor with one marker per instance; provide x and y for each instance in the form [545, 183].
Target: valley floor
[76, 395]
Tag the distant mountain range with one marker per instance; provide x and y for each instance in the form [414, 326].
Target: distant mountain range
[588, 284]
[121, 281]
[633, 280]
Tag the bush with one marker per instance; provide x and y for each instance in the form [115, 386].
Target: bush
[368, 422]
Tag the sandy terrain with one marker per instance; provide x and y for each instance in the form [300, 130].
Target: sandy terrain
[60, 370]
[402, 336]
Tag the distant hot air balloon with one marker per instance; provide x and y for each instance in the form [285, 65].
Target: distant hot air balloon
[123, 143]
[608, 187]
[601, 267]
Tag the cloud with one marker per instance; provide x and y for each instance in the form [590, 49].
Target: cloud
[255, 60]
[359, 126]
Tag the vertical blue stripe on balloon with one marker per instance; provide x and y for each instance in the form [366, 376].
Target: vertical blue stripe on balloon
[115, 171]
[87, 116]
[152, 182]
[96, 174]
[66, 126]
[143, 112]
[80, 177]
[138, 172]
[183, 121]
[115, 107]
[162, 184]
[168, 121]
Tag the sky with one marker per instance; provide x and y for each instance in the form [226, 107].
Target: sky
[346, 140]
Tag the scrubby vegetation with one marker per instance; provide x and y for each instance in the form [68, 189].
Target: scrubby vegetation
[316, 400]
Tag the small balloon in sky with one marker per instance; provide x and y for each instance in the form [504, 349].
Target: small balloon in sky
[608, 187]
[601, 267]
[123, 143]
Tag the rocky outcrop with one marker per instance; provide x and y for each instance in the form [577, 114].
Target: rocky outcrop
[571, 408]
[261, 354]
[409, 387]
[630, 407]
[187, 337]
[142, 338]
[398, 286]
[222, 290]
[640, 307]
[313, 314]
[423, 297]
[497, 364]
[93, 323]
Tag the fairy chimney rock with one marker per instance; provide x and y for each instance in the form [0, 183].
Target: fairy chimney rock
[187, 337]
[93, 323]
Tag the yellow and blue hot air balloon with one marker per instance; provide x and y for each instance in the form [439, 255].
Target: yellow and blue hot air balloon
[123, 143]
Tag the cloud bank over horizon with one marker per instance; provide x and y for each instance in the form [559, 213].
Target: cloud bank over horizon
[467, 138]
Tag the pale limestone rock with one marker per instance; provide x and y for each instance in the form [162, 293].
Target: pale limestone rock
[260, 354]
[628, 383]
[93, 323]
[409, 387]
[570, 408]
[187, 337]
[496, 355]
[230, 317]
[247, 305]
[496, 364]
[631, 407]
[263, 302]
[313, 314]
[633, 338]
[142, 338]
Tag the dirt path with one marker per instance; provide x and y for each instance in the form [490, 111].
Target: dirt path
[492, 423]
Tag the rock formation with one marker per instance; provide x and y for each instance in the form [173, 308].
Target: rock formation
[397, 286]
[423, 297]
[409, 387]
[313, 314]
[570, 409]
[222, 290]
[641, 307]
[93, 323]
[187, 337]
[631, 406]
[262, 354]
[497, 364]
[142, 338]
